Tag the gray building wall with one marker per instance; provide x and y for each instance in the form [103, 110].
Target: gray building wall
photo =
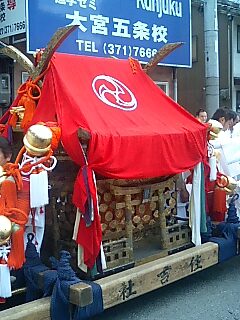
[191, 81]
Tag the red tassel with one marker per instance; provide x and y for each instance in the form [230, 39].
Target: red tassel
[133, 64]
[56, 133]
[16, 256]
[30, 106]
[13, 120]
[219, 207]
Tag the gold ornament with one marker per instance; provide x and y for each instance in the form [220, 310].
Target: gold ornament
[37, 140]
[15, 227]
[19, 111]
[5, 229]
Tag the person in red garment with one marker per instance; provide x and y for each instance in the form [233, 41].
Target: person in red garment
[19, 194]
[13, 216]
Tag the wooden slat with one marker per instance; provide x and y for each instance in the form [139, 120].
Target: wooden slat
[137, 281]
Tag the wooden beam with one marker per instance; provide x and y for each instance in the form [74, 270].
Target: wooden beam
[57, 39]
[37, 310]
[128, 284]
[160, 55]
[137, 281]
[17, 55]
[81, 294]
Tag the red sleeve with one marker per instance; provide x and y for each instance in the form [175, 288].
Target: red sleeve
[9, 193]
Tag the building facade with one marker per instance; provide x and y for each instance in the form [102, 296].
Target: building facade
[191, 82]
[186, 85]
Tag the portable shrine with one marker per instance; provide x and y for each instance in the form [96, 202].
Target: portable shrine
[113, 195]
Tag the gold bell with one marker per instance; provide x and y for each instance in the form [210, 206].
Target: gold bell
[37, 140]
[5, 229]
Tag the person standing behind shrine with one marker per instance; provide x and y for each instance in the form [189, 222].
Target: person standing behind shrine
[201, 115]
[224, 116]
[234, 127]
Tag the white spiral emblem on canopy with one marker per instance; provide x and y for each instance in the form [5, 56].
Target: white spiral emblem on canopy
[114, 93]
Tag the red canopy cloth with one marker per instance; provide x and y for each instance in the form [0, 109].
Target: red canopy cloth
[136, 130]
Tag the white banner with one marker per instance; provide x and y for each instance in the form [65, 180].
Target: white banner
[12, 17]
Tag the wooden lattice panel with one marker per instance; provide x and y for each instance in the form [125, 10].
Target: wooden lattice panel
[169, 202]
[113, 220]
[176, 235]
[127, 213]
[117, 253]
[147, 204]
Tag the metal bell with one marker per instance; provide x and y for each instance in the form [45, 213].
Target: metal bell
[5, 229]
[37, 140]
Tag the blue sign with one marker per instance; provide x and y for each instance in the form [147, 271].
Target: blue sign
[119, 28]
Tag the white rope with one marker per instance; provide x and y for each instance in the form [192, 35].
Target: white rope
[31, 160]
[4, 252]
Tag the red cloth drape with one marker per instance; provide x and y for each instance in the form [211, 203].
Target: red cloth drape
[157, 138]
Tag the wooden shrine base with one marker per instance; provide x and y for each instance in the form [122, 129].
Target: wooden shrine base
[156, 274]
[128, 284]
[37, 310]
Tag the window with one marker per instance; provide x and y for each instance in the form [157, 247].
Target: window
[238, 39]
[5, 82]
[25, 76]
[238, 101]
[163, 85]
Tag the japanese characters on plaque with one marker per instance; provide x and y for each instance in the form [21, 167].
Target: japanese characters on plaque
[194, 265]
[12, 17]
[128, 290]
[164, 275]
[120, 28]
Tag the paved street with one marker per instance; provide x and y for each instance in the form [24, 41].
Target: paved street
[213, 294]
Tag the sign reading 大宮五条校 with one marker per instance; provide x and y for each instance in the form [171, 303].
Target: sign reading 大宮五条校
[12, 17]
[119, 28]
